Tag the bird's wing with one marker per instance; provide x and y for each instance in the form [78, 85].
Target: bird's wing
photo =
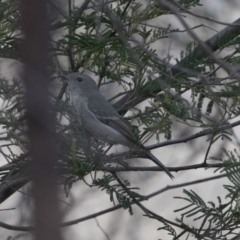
[101, 107]
[108, 115]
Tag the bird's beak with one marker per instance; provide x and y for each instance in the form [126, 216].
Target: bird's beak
[63, 76]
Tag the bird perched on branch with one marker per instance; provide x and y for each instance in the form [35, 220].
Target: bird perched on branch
[100, 118]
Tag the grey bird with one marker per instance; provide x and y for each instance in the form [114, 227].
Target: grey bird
[99, 117]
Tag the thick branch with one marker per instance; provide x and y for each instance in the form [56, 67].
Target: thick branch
[10, 186]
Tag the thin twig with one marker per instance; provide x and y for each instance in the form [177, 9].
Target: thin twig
[158, 169]
[104, 232]
[194, 136]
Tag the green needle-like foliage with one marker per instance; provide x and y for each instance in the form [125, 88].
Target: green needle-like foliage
[117, 44]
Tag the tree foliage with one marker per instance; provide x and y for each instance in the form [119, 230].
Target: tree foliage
[115, 43]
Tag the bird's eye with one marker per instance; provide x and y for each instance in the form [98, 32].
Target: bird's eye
[79, 79]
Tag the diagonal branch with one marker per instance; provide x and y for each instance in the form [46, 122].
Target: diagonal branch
[214, 43]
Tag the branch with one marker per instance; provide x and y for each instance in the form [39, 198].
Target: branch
[56, 5]
[158, 169]
[14, 184]
[202, 45]
[170, 187]
[194, 136]
[147, 197]
[9, 187]
[7, 192]
[214, 43]
[78, 14]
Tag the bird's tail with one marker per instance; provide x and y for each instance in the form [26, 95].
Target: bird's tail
[155, 160]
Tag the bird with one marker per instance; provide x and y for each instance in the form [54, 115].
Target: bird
[100, 118]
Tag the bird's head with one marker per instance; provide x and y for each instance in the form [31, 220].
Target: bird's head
[80, 83]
